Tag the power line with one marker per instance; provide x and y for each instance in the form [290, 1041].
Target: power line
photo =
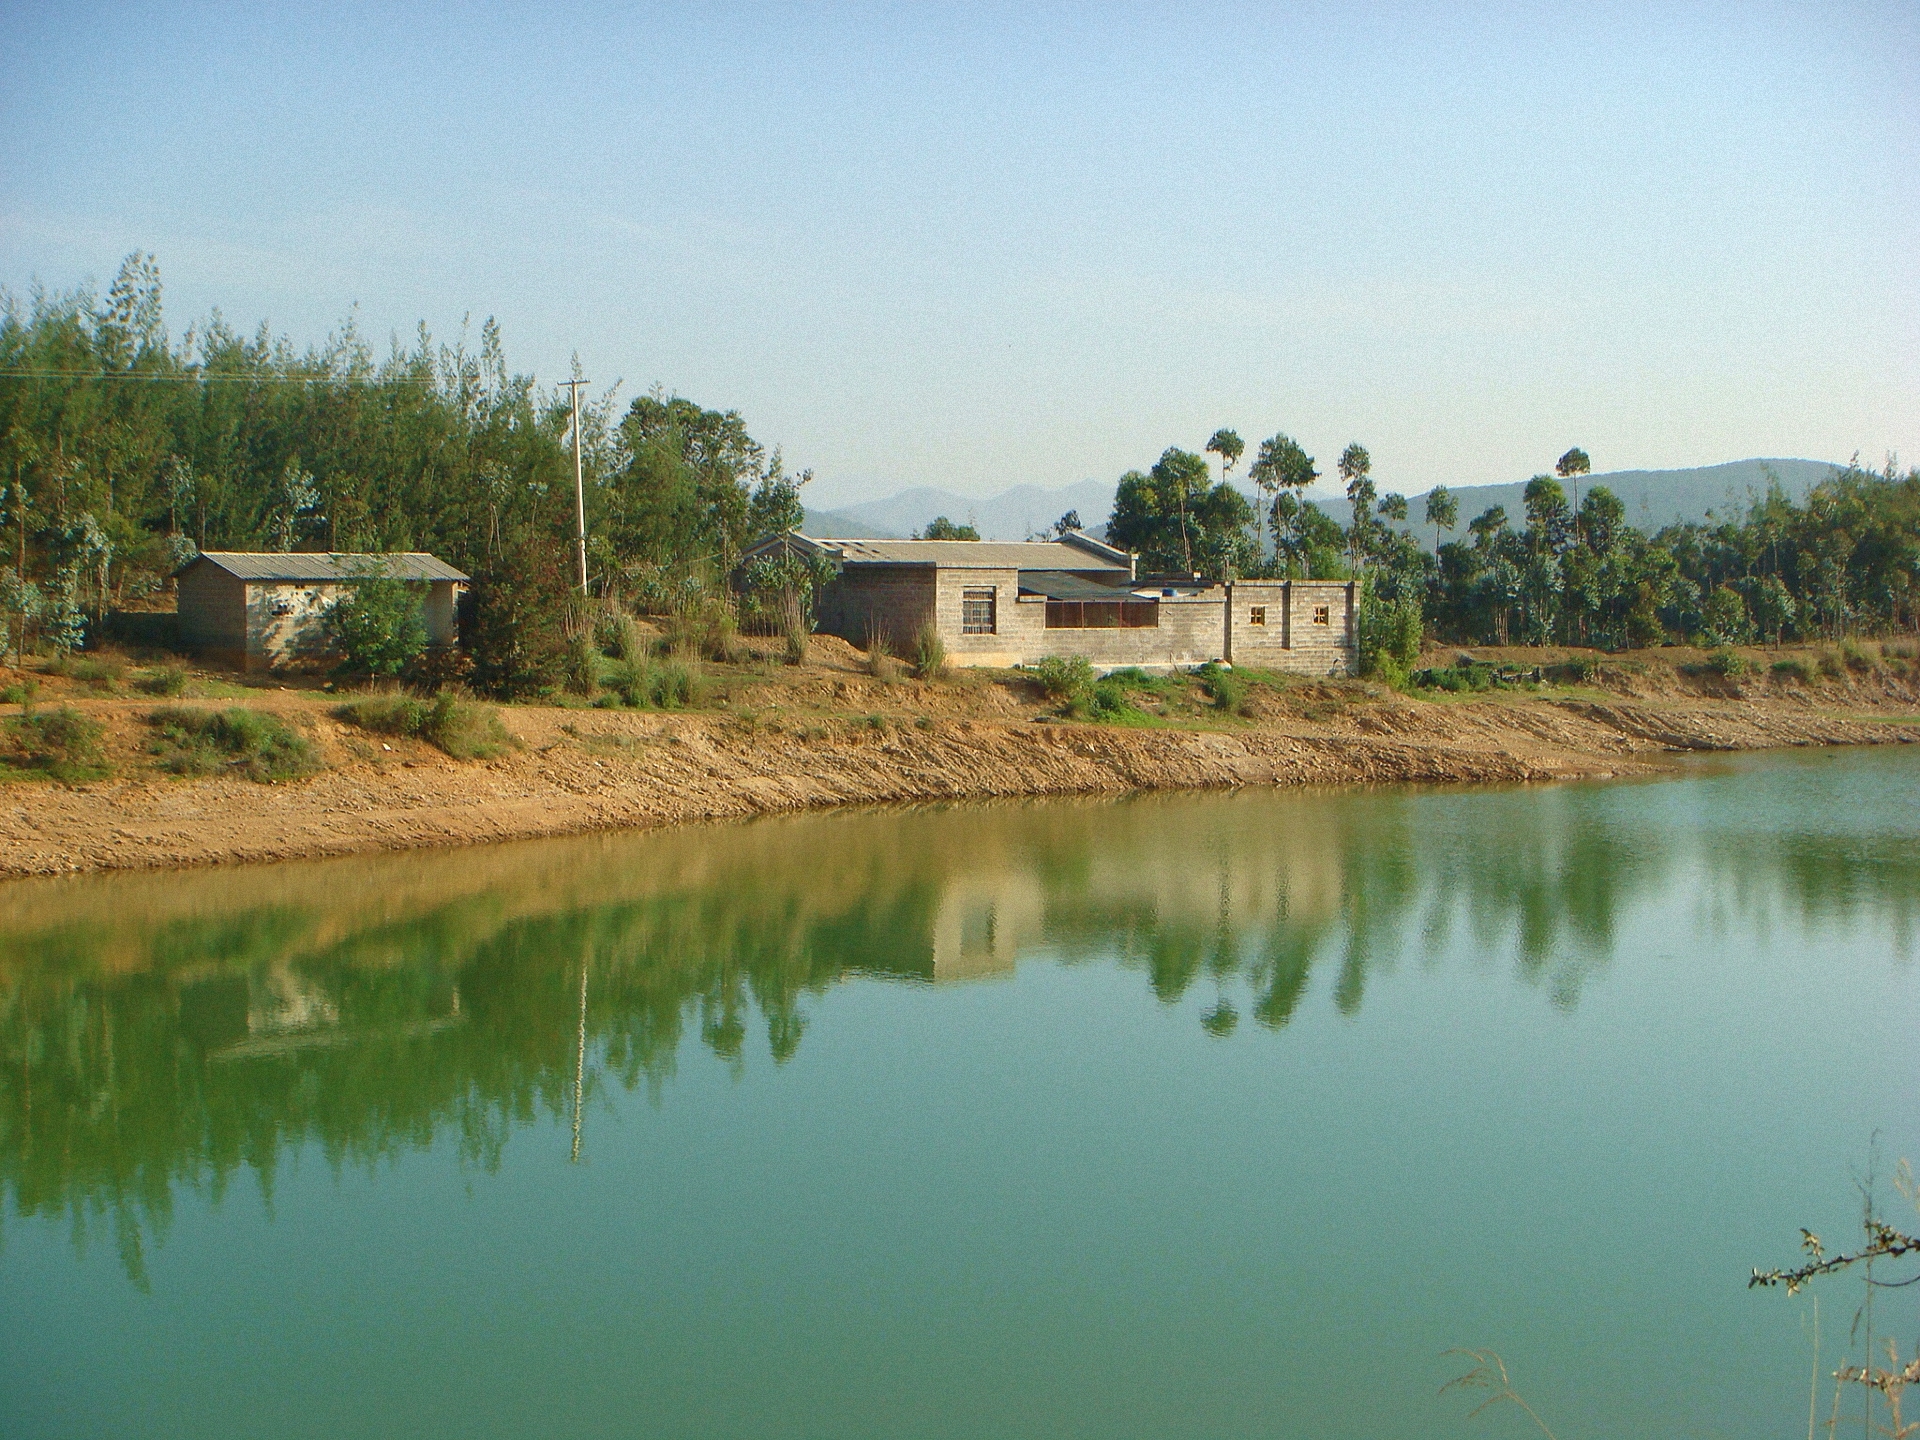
[208, 377]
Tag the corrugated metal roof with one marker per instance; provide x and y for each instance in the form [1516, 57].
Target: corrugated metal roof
[1056, 585]
[301, 566]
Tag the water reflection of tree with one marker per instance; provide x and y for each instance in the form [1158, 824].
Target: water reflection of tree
[180, 1034]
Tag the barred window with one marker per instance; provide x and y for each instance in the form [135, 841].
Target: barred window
[977, 612]
[1259, 615]
[1320, 615]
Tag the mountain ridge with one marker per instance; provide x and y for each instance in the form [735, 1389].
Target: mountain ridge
[1653, 498]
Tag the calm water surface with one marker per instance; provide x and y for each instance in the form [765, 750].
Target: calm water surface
[1215, 1115]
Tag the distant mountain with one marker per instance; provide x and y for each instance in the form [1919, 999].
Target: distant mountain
[1011, 515]
[1653, 498]
[842, 526]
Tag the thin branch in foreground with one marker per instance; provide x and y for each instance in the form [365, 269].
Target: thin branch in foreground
[1490, 1373]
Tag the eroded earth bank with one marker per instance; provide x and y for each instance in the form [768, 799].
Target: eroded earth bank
[773, 739]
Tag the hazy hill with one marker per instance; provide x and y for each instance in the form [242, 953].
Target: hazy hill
[1653, 498]
[1011, 515]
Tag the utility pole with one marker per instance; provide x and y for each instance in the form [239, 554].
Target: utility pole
[579, 486]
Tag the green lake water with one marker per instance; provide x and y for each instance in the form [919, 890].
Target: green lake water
[1190, 1115]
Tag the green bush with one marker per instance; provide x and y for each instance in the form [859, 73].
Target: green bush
[91, 669]
[705, 630]
[168, 680]
[1728, 663]
[1830, 665]
[643, 685]
[580, 675]
[20, 692]
[235, 741]
[1225, 690]
[1389, 637]
[1574, 670]
[1855, 658]
[929, 653]
[1793, 670]
[1068, 680]
[459, 727]
[62, 743]
[379, 628]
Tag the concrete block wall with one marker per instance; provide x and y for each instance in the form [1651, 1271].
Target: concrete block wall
[900, 598]
[1292, 640]
[1215, 624]
[213, 614]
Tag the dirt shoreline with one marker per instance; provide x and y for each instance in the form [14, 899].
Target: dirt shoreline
[855, 741]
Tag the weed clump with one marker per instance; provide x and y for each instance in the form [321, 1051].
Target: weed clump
[458, 727]
[880, 662]
[1226, 691]
[929, 653]
[236, 741]
[642, 685]
[1068, 680]
[1727, 663]
[60, 744]
[166, 680]
[1792, 669]
[19, 692]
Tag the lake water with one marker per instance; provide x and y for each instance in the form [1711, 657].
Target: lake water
[1192, 1115]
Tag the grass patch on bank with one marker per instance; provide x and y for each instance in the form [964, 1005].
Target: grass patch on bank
[60, 744]
[246, 743]
[460, 728]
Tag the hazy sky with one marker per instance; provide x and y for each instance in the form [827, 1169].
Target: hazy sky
[978, 247]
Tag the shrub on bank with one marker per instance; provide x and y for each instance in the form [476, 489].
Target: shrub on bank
[236, 741]
[459, 727]
[61, 744]
[929, 653]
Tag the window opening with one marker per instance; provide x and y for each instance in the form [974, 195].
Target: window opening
[977, 612]
[1259, 615]
[1320, 615]
[1103, 614]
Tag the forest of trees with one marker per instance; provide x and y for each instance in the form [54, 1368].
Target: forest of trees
[123, 451]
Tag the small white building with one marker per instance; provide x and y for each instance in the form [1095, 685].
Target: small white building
[256, 611]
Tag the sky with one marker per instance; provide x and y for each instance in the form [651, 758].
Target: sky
[977, 247]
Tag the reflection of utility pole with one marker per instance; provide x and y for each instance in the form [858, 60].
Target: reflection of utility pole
[579, 485]
[580, 1060]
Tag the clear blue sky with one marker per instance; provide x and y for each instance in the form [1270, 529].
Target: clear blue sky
[976, 247]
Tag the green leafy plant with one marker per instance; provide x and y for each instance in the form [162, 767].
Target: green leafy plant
[235, 741]
[1728, 663]
[1067, 681]
[1792, 669]
[1225, 690]
[19, 692]
[929, 653]
[61, 744]
[378, 628]
[167, 680]
[462, 729]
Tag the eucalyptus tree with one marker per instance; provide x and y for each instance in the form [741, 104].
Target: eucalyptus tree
[1442, 512]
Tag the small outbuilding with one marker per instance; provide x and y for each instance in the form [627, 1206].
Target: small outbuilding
[257, 611]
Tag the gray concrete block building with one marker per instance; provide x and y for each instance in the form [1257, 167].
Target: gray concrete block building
[1011, 603]
[257, 611]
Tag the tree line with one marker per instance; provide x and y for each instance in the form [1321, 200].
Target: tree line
[124, 452]
[1845, 561]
